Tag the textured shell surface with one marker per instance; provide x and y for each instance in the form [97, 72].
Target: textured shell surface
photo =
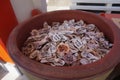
[67, 44]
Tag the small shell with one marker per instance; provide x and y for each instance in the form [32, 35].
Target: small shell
[84, 61]
[28, 49]
[45, 48]
[75, 58]
[80, 31]
[91, 56]
[104, 50]
[38, 44]
[35, 38]
[81, 22]
[84, 42]
[46, 28]
[63, 38]
[86, 38]
[56, 24]
[76, 54]
[77, 42]
[110, 45]
[56, 37]
[52, 48]
[73, 49]
[91, 26]
[50, 59]
[34, 54]
[84, 54]
[34, 32]
[43, 60]
[58, 62]
[71, 22]
[92, 46]
[96, 53]
[39, 56]
[45, 25]
[66, 32]
[69, 43]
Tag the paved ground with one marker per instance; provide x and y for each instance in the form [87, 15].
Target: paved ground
[58, 5]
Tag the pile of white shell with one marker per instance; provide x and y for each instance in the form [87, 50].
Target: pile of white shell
[67, 44]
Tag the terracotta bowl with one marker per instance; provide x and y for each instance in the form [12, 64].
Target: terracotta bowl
[21, 32]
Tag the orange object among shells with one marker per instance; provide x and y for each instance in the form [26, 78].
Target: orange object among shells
[62, 47]
[3, 53]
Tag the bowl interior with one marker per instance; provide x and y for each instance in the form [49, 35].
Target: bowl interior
[23, 31]
[37, 23]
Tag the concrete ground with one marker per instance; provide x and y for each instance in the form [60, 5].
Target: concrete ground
[58, 5]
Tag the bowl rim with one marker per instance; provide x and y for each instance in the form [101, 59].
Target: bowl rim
[96, 68]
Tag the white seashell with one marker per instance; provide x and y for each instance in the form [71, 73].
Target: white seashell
[94, 60]
[77, 27]
[86, 38]
[58, 62]
[81, 22]
[51, 33]
[80, 31]
[104, 50]
[45, 25]
[34, 32]
[56, 37]
[72, 21]
[39, 56]
[43, 60]
[91, 56]
[66, 32]
[38, 44]
[61, 27]
[84, 41]
[68, 43]
[50, 59]
[110, 45]
[36, 38]
[90, 33]
[76, 54]
[52, 49]
[45, 48]
[101, 39]
[75, 58]
[73, 49]
[77, 42]
[63, 38]
[56, 24]
[84, 54]
[84, 61]
[91, 26]
[99, 34]
[92, 37]
[66, 25]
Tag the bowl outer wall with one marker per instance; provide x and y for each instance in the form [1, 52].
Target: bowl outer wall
[41, 70]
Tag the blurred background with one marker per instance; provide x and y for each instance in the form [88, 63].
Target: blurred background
[13, 12]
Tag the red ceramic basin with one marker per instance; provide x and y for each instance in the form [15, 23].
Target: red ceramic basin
[21, 32]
